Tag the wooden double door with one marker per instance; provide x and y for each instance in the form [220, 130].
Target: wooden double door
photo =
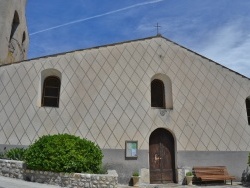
[161, 157]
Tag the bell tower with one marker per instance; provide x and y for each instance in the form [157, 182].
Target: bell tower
[14, 38]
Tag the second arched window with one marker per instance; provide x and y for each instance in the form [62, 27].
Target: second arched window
[51, 91]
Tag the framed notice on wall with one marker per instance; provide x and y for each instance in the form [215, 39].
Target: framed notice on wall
[131, 149]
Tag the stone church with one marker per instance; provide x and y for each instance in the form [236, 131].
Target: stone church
[152, 105]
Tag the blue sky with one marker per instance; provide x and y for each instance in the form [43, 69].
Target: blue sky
[217, 29]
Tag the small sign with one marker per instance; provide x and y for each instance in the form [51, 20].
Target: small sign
[131, 149]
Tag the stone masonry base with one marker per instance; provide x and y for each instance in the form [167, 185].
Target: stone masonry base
[17, 169]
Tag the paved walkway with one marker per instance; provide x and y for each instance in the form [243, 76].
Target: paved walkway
[15, 183]
[235, 185]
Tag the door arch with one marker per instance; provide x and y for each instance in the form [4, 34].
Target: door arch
[162, 157]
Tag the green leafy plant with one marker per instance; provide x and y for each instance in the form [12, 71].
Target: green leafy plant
[16, 154]
[136, 173]
[189, 174]
[64, 153]
[3, 154]
[104, 169]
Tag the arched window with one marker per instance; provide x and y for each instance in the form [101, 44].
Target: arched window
[24, 37]
[15, 24]
[248, 109]
[157, 94]
[51, 91]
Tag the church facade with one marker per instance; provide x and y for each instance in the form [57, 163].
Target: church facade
[152, 106]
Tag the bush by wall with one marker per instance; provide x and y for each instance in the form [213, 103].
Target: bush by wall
[64, 153]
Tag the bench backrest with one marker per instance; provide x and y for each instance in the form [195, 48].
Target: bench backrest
[210, 170]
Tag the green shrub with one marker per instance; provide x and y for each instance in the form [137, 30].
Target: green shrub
[16, 154]
[64, 153]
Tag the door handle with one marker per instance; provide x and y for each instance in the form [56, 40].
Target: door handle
[157, 157]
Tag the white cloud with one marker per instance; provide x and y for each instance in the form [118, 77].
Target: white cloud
[229, 45]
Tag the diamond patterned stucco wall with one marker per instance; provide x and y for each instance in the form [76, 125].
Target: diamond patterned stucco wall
[105, 97]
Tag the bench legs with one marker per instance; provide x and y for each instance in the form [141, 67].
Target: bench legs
[231, 182]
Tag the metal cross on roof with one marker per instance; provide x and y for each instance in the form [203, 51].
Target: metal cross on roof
[157, 28]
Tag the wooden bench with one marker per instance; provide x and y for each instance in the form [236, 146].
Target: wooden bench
[212, 173]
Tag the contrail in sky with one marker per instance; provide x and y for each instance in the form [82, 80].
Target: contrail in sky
[97, 16]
